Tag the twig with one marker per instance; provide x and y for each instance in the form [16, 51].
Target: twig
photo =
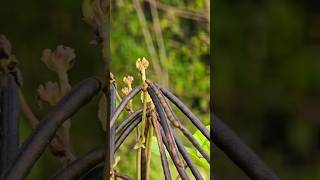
[125, 122]
[57, 147]
[184, 109]
[172, 147]
[123, 104]
[174, 120]
[164, 161]
[77, 168]
[132, 124]
[187, 158]
[32, 149]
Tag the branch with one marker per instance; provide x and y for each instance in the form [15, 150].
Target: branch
[123, 104]
[174, 120]
[77, 168]
[32, 149]
[164, 160]
[184, 109]
[172, 146]
[57, 147]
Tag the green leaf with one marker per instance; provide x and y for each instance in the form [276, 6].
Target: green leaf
[198, 160]
[155, 148]
[202, 140]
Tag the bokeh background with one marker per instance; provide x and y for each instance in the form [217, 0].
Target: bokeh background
[266, 79]
[35, 25]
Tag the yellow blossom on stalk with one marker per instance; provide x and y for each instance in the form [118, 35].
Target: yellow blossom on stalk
[125, 90]
[128, 80]
[142, 65]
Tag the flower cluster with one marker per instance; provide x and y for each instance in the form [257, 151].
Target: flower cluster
[60, 60]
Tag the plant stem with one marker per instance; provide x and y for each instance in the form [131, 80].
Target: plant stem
[164, 161]
[148, 146]
[123, 104]
[174, 120]
[57, 147]
[141, 139]
[172, 146]
[185, 110]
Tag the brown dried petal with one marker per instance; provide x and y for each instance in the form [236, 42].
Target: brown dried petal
[59, 60]
[128, 80]
[49, 92]
[5, 47]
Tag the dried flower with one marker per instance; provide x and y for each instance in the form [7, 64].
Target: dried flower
[125, 90]
[49, 92]
[142, 63]
[128, 80]
[5, 47]
[60, 60]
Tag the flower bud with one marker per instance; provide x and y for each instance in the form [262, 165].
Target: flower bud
[128, 80]
[60, 60]
[142, 63]
[49, 92]
[125, 90]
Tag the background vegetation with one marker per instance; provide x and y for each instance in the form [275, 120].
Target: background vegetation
[266, 82]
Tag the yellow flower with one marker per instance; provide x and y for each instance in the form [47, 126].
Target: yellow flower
[125, 91]
[142, 63]
[128, 80]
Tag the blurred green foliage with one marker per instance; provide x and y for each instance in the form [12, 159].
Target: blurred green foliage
[266, 79]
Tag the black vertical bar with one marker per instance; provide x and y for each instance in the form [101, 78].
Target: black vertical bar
[9, 127]
[106, 56]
